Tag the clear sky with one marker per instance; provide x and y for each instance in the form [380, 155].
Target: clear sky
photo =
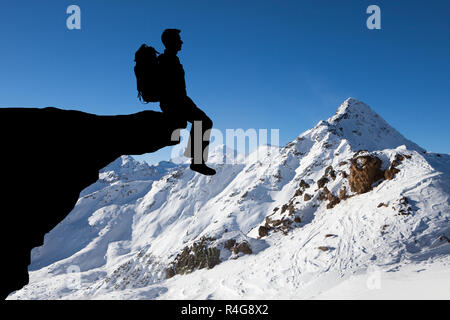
[249, 64]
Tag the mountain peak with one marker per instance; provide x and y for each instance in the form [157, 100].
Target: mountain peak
[124, 161]
[126, 167]
[361, 127]
[365, 129]
[352, 106]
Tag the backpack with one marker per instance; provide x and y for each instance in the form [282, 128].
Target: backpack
[147, 73]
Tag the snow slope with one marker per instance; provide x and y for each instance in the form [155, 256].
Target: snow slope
[130, 227]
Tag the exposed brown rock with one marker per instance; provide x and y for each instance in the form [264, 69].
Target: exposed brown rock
[268, 221]
[329, 171]
[197, 256]
[297, 219]
[170, 272]
[298, 192]
[306, 197]
[390, 173]
[364, 171]
[403, 200]
[323, 195]
[303, 185]
[291, 209]
[229, 244]
[322, 182]
[333, 200]
[382, 204]
[276, 223]
[323, 248]
[242, 247]
[343, 193]
[263, 231]
[402, 206]
[327, 195]
[288, 206]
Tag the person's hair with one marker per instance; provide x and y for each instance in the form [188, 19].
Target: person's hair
[168, 35]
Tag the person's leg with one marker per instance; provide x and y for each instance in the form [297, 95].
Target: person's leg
[199, 137]
[197, 147]
[200, 131]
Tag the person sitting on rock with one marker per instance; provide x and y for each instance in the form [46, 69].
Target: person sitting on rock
[175, 102]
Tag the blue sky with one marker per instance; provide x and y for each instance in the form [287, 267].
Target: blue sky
[249, 64]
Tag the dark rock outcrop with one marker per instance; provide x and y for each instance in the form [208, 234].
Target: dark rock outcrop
[48, 156]
[333, 200]
[242, 247]
[263, 231]
[343, 193]
[329, 171]
[327, 195]
[198, 256]
[229, 244]
[390, 173]
[322, 182]
[303, 185]
[364, 171]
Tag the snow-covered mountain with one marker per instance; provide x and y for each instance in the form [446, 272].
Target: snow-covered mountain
[347, 201]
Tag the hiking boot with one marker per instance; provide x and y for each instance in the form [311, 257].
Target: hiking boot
[203, 169]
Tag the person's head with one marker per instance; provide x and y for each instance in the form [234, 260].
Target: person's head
[171, 39]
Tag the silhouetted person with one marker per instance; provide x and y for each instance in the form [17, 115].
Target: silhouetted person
[175, 102]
